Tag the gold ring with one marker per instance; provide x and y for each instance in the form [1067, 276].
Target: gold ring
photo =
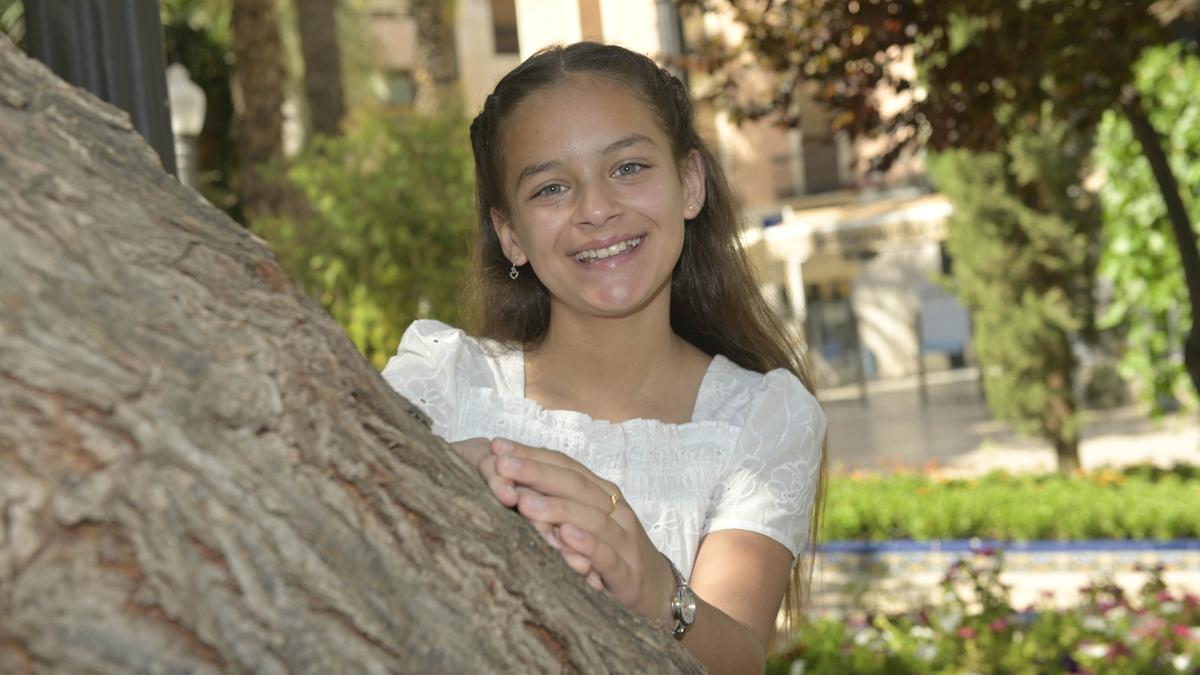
[615, 499]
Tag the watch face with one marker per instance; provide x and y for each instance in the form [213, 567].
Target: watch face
[687, 608]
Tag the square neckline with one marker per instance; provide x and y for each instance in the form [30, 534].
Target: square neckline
[512, 368]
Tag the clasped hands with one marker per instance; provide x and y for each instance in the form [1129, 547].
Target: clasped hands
[574, 511]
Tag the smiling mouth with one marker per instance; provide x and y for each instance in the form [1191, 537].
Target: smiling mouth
[598, 254]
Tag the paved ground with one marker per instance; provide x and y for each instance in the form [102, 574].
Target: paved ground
[955, 431]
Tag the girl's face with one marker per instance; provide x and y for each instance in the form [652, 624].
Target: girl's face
[596, 201]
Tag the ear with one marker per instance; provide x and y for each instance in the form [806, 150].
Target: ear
[508, 237]
[694, 183]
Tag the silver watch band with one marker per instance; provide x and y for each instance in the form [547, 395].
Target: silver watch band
[683, 603]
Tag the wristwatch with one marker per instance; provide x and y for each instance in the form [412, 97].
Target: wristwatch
[683, 603]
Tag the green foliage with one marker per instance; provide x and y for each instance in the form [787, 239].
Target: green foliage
[1138, 503]
[983, 67]
[977, 630]
[1140, 256]
[12, 21]
[387, 242]
[1021, 236]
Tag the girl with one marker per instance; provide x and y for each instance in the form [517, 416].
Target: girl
[627, 389]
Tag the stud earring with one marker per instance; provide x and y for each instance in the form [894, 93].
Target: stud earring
[514, 272]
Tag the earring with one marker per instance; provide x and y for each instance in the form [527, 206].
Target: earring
[514, 272]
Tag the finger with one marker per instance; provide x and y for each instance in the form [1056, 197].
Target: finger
[604, 557]
[559, 510]
[556, 481]
[503, 488]
[503, 446]
[550, 533]
[594, 580]
[577, 562]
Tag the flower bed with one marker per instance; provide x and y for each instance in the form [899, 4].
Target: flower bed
[977, 628]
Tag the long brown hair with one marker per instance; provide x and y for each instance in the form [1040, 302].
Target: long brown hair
[716, 303]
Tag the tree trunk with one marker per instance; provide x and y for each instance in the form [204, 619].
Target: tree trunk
[437, 66]
[1062, 422]
[198, 472]
[316, 21]
[1181, 224]
[257, 87]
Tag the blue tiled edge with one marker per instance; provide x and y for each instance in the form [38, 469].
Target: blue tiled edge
[969, 545]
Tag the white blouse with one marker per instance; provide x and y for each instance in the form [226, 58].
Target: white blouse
[748, 460]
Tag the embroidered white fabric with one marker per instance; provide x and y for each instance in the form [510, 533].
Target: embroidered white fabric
[748, 460]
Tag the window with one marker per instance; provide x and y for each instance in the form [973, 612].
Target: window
[504, 26]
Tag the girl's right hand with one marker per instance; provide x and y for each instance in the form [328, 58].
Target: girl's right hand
[478, 452]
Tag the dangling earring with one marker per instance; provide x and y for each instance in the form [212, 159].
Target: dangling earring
[514, 273]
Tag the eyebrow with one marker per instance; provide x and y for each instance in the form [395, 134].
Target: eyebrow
[621, 144]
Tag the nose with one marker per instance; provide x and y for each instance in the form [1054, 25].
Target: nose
[596, 205]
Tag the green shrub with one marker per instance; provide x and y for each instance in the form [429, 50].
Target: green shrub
[1136, 503]
[388, 238]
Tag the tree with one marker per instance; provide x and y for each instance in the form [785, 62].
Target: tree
[1147, 286]
[391, 223]
[436, 73]
[199, 473]
[257, 84]
[984, 71]
[1022, 236]
[316, 22]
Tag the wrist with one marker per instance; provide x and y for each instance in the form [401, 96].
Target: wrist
[681, 604]
[665, 597]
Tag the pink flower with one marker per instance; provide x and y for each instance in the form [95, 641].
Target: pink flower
[1181, 630]
[998, 625]
[966, 632]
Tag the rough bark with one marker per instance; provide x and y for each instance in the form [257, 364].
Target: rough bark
[198, 472]
[257, 87]
[316, 21]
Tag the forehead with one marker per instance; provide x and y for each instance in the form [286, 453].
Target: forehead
[573, 118]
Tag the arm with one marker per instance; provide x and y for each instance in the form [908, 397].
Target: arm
[739, 577]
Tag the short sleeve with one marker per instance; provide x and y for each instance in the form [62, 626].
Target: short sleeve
[770, 482]
[424, 370]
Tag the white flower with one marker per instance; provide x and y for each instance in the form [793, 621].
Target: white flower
[1181, 662]
[950, 620]
[1095, 650]
[925, 652]
[921, 632]
[1095, 624]
[1170, 607]
[797, 667]
[863, 637]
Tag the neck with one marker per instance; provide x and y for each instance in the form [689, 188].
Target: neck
[607, 358]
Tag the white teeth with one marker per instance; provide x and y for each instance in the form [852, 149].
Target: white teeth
[601, 253]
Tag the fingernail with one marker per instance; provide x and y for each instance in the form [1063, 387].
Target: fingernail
[571, 531]
[502, 446]
[510, 464]
[535, 502]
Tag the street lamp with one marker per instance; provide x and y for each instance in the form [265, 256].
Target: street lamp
[187, 119]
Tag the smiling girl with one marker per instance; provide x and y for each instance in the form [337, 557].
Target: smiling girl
[627, 389]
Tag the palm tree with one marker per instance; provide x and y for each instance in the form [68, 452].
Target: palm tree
[257, 83]
[316, 22]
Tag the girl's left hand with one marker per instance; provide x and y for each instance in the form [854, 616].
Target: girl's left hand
[594, 520]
